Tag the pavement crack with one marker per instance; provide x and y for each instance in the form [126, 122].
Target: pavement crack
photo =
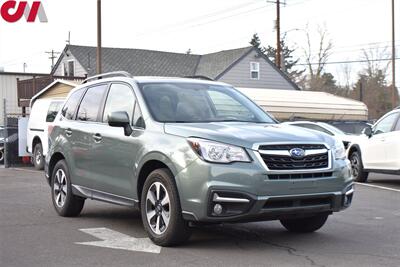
[254, 236]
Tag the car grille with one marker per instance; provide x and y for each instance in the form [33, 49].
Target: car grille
[294, 176]
[272, 204]
[290, 146]
[287, 162]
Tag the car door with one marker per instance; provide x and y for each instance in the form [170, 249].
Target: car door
[374, 151]
[116, 153]
[83, 135]
[392, 147]
[68, 132]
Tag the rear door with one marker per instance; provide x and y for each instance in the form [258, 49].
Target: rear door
[376, 152]
[67, 127]
[82, 134]
[116, 153]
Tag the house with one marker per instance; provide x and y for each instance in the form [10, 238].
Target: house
[242, 67]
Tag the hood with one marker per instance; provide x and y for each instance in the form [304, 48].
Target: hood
[247, 134]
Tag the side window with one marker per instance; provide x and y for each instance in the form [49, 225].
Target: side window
[398, 125]
[138, 120]
[120, 98]
[386, 124]
[53, 110]
[70, 106]
[90, 105]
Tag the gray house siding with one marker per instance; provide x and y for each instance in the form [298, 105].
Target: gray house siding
[79, 70]
[270, 78]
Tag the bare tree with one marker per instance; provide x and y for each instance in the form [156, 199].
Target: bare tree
[373, 64]
[376, 94]
[317, 61]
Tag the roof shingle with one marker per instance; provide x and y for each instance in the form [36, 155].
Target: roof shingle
[141, 62]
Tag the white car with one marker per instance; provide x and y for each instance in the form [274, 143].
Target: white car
[326, 128]
[43, 113]
[379, 149]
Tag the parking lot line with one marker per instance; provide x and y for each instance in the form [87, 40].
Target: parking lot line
[380, 187]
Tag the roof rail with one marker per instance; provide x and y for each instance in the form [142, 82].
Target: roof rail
[109, 75]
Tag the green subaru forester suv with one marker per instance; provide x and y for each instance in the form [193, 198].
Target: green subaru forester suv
[188, 151]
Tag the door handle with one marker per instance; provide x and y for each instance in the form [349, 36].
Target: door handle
[68, 132]
[97, 138]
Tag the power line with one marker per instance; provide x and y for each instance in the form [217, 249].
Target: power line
[188, 22]
[349, 61]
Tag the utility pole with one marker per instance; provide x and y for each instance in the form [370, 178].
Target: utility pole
[99, 70]
[53, 56]
[278, 35]
[24, 66]
[394, 90]
[68, 41]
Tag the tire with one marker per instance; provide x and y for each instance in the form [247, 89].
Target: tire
[38, 159]
[1, 156]
[305, 225]
[357, 168]
[163, 222]
[65, 203]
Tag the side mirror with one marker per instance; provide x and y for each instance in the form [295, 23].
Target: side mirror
[367, 131]
[120, 119]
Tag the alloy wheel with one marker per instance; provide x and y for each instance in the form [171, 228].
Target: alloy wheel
[158, 208]
[60, 188]
[355, 165]
[38, 157]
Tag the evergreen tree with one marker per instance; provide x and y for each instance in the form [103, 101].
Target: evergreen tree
[287, 55]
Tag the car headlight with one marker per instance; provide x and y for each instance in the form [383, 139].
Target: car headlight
[218, 152]
[339, 150]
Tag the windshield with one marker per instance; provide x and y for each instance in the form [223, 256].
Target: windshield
[191, 102]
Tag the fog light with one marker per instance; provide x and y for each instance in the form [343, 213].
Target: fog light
[218, 209]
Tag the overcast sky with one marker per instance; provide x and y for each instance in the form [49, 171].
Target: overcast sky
[203, 26]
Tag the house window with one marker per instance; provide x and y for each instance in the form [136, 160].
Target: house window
[69, 68]
[255, 70]
[65, 68]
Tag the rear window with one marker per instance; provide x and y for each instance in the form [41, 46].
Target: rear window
[69, 108]
[53, 110]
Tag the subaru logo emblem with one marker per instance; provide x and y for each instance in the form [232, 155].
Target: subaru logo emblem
[297, 153]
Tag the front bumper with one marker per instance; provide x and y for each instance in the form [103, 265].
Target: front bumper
[245, 192]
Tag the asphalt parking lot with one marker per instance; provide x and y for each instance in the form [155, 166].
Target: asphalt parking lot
[31, 233]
